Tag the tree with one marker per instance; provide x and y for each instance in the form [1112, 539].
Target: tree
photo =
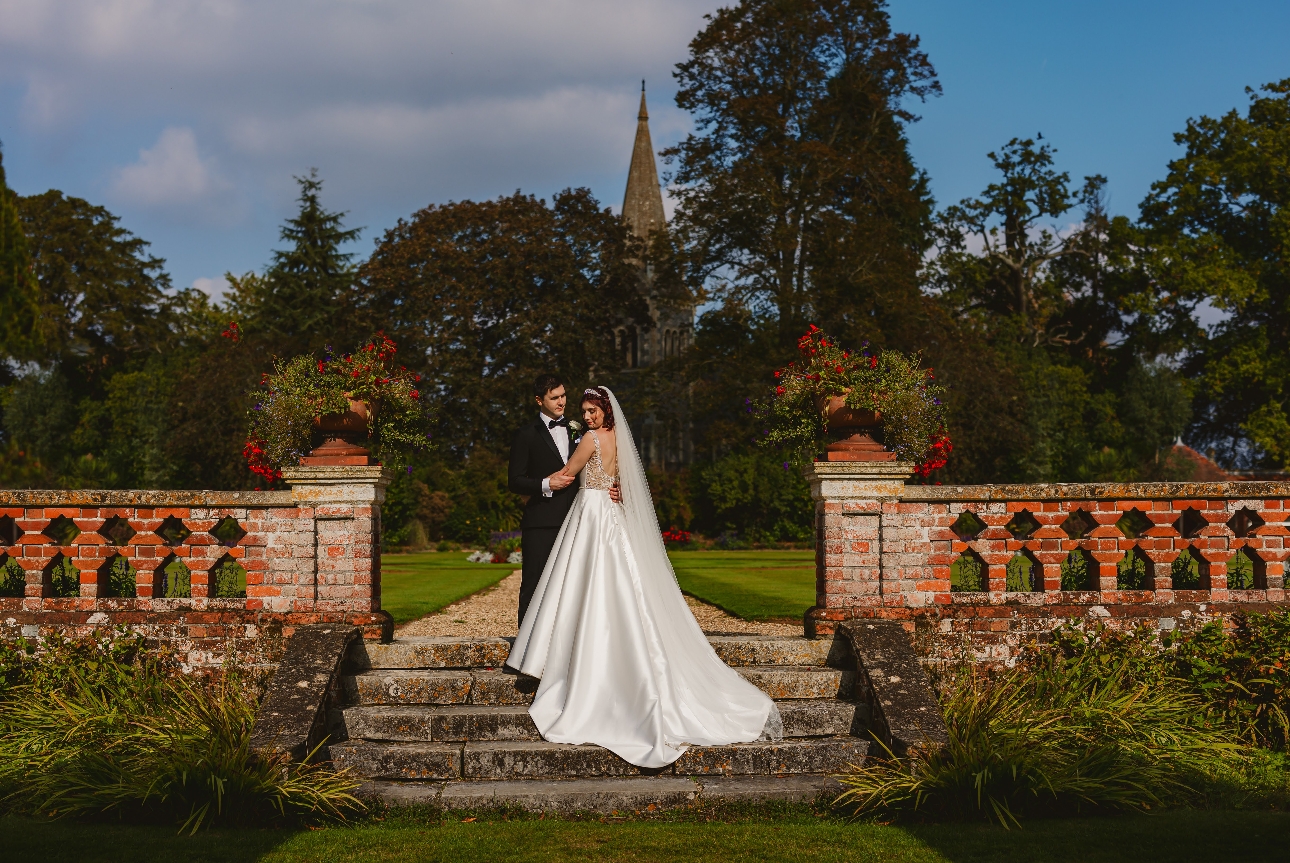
[1220, 228]
[298, 302]
[796, 195]
[482, 297]
[102, 298]
[1060, 321]
[19, 291]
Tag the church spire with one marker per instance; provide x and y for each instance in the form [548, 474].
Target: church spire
[643, 200]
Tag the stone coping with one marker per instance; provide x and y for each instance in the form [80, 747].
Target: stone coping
[56, 498]
[1128, 491]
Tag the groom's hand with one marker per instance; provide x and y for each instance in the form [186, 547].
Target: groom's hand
[615, 493]
[559, 480]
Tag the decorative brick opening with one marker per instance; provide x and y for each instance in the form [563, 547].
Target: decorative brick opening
[1022, 525]
[118, 578]
[173, 532]
[1079, 569]
[13, 581]
[1134, 571]
[117, 530]
[1247, 571]
[62, 530]
[1134, 523]
[61, 577]
[10, 533]
[1190, 570]
[1024, 573]
[1245, 522]
[172, 579]
[227, 579]
[1190, 523]
[1078, 524]
[228, 531]
[968, 573]
[968, 526]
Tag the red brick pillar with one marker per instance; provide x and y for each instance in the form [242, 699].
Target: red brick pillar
[850, 498]
[342, 552]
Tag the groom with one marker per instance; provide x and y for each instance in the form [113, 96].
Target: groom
[538, 454]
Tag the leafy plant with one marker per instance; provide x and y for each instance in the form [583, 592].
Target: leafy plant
[99, 726]
[1055, 736]
[304, 388]
[890, 383]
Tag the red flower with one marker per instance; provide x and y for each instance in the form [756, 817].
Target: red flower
[777, 374]
[873, 362]
[838, 369]
[415, 394]
[779, 391]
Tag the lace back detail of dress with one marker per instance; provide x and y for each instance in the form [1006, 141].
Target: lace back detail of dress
[593, 475]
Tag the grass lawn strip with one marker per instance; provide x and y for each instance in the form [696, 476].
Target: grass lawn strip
[1172, 837]
[754, 585]
[414, 585]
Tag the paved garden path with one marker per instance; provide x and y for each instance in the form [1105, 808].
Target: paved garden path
[491, 612]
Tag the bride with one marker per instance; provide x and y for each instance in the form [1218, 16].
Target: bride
[622, 660]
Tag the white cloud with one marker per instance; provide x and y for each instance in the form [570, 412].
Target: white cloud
[213, 288]
[170, 174]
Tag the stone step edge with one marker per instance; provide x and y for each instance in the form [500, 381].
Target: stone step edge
[629, 794]
[797, 714]
[537, 760]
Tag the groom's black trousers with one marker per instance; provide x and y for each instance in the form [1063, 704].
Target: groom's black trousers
[537, 545]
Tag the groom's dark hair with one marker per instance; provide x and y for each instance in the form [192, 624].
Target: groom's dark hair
[545, 383]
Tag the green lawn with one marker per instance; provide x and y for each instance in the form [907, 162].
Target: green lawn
[1173, 837]
[754, 585]
[414, 585]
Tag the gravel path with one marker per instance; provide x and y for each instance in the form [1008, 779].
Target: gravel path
[491, 612]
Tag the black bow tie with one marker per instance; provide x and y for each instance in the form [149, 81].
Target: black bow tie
[559, 421]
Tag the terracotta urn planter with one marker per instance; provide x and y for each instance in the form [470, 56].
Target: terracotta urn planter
[341, 433]
[852, 431]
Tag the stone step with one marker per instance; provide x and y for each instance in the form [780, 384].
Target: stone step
[624, 794]
[466, 686]
[734, 650]
[520, 759]
[449, 723]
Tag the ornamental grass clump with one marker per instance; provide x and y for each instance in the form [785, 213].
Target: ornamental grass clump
[304, 388]
[99, 728]
[908, 402]
[1057, 736]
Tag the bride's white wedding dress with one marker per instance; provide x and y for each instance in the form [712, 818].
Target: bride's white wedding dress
[622, 660]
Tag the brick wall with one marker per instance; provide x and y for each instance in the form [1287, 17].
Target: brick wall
[310, 554]
[887, 550]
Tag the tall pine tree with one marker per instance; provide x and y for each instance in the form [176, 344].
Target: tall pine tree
[298, 304]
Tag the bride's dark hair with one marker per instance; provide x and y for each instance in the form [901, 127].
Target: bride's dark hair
[600, 398]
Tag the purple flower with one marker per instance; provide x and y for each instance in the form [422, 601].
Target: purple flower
[785, 465]
[409, 470]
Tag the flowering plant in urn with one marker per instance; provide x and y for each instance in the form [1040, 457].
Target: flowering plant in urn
[359, 403]
[829, 391]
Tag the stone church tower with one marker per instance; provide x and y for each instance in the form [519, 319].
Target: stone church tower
[664, 443]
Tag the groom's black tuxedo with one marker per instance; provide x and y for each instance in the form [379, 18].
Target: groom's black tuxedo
[534, 457]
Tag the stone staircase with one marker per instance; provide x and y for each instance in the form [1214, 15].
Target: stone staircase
[437, 720]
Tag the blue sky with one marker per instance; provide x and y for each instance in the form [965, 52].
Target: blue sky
[188, 119]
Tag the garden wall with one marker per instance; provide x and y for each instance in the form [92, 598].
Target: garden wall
[982, 570]
[204, 573]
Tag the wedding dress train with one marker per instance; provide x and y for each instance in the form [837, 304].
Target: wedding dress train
[622, 660]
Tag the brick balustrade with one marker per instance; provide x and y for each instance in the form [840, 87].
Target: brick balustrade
[886, 550]
[310, 554]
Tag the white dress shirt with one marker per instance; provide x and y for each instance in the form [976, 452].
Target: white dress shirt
[559, 434]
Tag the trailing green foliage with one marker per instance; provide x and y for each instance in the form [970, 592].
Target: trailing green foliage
[891, 384]
[99, 727]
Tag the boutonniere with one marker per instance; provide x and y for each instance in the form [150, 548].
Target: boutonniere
[575, 430]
